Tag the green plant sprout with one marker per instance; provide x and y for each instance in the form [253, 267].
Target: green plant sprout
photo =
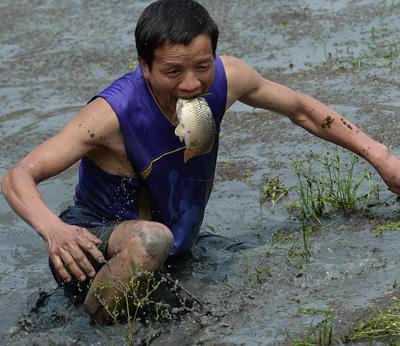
[273, 189]
[258, 276]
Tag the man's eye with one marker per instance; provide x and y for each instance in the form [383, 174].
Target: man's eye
[203, 67]
[172, 72]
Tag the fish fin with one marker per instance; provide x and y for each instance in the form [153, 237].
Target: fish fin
[188, 154]
[180, 132]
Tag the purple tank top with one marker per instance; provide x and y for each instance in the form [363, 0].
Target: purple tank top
[178, 191]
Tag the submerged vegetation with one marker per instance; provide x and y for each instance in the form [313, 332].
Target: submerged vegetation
[384, 326]
[319, 333]
[295, 245]
[328, 183]
[387, 227]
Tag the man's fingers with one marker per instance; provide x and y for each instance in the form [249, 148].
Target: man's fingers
[91, 248]
[77, 263]
[60, 268]
[90, 236]
[72, 266]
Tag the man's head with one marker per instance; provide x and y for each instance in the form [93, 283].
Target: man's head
[174, 22]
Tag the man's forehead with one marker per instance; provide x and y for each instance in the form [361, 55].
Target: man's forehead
[199, 48]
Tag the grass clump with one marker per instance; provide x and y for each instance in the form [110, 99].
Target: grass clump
[387, 227]
[385, 325]
[296, 246]
[260, 274]
[319, 334]
[328, 183]
[273, 189]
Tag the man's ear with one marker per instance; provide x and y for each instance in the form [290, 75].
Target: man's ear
[145, 68]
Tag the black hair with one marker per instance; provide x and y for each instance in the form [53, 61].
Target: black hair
[173, 21]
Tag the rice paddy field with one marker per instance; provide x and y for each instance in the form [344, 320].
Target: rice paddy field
[300, 242]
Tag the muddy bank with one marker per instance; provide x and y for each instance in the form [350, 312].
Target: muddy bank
[345, 53]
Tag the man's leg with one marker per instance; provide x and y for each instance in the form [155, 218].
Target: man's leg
[133, 245]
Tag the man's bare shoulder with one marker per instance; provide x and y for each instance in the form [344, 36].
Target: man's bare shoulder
[94, 124]
[232, 64]
[241, 78]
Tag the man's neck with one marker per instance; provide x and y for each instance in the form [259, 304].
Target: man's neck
[165, 109]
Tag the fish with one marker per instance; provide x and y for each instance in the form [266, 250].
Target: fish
[196, 126]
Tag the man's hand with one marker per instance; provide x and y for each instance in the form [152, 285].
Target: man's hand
[389, 170]
[67, 246]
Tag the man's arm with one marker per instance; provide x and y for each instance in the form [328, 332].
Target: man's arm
[247, 86]
[65, 243]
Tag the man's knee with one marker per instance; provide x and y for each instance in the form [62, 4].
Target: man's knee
[156, 239]
[152, 241]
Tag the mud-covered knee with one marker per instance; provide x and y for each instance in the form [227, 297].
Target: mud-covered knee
[156, 239]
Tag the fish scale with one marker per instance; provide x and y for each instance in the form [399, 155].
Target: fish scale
[196, 127]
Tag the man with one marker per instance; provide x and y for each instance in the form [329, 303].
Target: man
[128, 150]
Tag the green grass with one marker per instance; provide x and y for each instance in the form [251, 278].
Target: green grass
[295, 245]
[273, 189]
[328, 183]
[383, 326]
[254, 277]
[387, 227]
[319, 334]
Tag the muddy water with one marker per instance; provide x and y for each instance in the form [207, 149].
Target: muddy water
[55, 56]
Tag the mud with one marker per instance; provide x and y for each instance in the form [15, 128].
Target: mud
[55, 56]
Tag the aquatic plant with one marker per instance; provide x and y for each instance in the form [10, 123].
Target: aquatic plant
[384, 325]
[295, 245]
[273, 189]
[328, 183]
[132, 298]
[387, 227]
[319, 334]
[252, 278]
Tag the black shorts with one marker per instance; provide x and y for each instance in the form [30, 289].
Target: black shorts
[75, 289]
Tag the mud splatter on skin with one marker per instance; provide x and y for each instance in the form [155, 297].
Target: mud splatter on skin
[346, 124]
[328, 121]
[156, 243]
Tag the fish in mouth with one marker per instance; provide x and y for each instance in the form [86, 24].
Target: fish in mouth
[196, 127]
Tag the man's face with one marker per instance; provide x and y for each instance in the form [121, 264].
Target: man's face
[180, 71]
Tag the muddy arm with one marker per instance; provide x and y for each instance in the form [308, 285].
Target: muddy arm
[63, 242]
[247, 86]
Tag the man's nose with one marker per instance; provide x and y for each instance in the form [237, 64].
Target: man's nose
[190, 84]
